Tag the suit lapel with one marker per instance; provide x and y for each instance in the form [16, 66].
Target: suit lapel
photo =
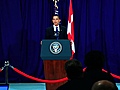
[60, 31]
[52, 30]
[60, 28]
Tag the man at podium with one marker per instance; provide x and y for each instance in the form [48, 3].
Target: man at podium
[56, 31]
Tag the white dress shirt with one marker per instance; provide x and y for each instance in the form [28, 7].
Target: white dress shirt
[55, 27]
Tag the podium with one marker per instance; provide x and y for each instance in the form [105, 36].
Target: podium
[54, 54]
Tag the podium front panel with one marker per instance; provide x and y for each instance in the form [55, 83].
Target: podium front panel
[55, 50]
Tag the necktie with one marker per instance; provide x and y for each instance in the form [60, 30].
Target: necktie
[57, 33]
[56, 29]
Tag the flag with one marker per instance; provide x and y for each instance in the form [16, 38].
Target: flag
[70, 29]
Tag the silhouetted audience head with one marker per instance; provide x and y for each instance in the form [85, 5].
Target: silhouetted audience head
[104, 85]
[74, 73]
[73, 69]
[94, 59]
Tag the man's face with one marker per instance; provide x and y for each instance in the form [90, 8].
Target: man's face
[56, 20]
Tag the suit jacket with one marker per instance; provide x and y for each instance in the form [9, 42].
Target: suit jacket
[76, 84]
[92, 76]
[50, 33]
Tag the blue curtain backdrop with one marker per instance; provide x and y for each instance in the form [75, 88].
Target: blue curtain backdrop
[23, 24]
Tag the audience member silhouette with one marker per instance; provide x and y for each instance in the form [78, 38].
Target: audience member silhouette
[94, 60]
[103, 85]
[74, 73]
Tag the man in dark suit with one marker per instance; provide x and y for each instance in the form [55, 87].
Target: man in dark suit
[56, 31]
[74, 73]
[94, 60]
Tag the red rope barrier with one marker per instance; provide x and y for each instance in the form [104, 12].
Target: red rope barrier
[39, 80]
[115, 76]
[52, 81]
[0, 70]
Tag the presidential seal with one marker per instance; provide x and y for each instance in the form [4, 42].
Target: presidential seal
[55, 47]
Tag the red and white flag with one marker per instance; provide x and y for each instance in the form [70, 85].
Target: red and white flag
[70, 28]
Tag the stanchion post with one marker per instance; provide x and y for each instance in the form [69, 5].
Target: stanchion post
[6, 71]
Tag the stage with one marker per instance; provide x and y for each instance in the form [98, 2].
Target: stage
[32, 86]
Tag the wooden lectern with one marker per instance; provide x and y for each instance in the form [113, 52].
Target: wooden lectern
[54, 54]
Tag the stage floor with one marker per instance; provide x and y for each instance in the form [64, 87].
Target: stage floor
[27, 86]
[32, 86]
[118, 85]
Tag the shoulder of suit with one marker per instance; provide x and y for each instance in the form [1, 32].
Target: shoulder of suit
[63, 27]
[49, 28]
